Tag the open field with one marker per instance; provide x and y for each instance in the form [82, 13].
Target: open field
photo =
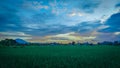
[60, 57]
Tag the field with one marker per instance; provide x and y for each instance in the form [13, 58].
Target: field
[60, 57]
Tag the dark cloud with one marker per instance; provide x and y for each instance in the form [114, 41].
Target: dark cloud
[88, 26]
[83, 27]
[8, 14]
[89, 7]
[117, 5]
[48, 30]
[107, 37]
[114, 23]
[42, 17]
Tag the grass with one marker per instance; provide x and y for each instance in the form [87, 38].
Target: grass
[60, 57]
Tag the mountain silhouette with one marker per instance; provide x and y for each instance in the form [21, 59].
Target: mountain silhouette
[21, 41]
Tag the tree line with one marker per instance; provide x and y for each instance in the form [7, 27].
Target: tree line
[11, 42]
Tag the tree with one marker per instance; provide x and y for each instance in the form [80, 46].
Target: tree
[8, 42]
[116, 43]
[73, 43]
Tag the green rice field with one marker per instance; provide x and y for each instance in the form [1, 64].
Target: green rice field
[60, 57]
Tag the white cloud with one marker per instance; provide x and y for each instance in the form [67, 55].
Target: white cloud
[71, 36]
[58, 7]
[12, 25]
[75, 14]
[117, 33]
[54, 7]
[103, 27]
[35, 5]
[32, 26]
[72, 14]
[14, 34]
[105, 10]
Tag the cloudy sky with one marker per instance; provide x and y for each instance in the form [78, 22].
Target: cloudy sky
[60, 20]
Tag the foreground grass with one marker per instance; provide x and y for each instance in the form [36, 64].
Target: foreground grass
[60, 57]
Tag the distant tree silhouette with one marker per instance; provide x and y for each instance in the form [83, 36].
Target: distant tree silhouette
[73, 43]
[8, 42]
[116, 43]
[105, 43]
[98, 43]
[91, 44]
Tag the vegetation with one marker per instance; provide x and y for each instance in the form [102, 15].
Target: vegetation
[8, 42]
[55, 55]
[11, 42]
[60, 57]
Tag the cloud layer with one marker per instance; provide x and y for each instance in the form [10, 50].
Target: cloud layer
[37, 20]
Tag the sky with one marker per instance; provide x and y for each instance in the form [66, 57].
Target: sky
[60, 20]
